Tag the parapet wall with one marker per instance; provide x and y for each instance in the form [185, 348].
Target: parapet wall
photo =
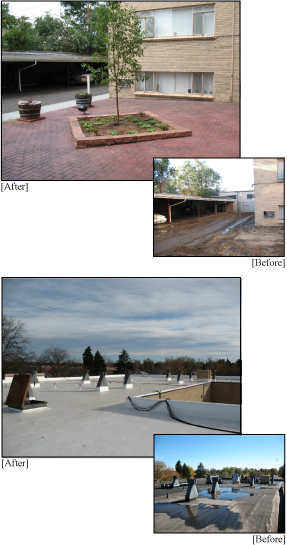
[208, 392]
[192, 409]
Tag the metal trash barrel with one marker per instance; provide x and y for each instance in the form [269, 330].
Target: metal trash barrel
[29, 111]
[87, 100]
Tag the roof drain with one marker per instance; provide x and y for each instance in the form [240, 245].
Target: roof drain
[172, 415]
[20, 70]
[175, 205]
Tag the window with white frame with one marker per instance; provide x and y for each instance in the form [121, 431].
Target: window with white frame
[190, 21]
[179, 82]
[280, 169]
[124, 83]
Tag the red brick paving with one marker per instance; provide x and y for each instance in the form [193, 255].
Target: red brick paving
[46, 151]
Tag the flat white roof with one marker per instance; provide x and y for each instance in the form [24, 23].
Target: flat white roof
[89, 423]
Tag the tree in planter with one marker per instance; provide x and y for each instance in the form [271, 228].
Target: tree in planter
[124, 362]
[99, 363]
[119, 39]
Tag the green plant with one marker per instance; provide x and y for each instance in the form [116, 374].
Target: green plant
[151, 129]
[114, 133]
[120, 33]
[89, 125]
[132, 132]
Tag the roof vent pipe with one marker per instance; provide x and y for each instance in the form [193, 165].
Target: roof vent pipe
[176, 205]
[215, 486]
[20, 70]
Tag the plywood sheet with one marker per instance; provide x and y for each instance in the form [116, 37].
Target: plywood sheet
[18, 391]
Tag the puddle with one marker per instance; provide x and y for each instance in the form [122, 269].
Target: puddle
[231, 226]
[202, 515]
[226, 494]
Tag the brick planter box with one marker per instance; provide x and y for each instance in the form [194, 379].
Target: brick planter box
[82, 141]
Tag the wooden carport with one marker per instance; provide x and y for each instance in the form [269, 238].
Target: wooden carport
[163, 202]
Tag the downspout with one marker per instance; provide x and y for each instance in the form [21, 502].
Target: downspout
[232, 53]
[20, 70]
[170, 205]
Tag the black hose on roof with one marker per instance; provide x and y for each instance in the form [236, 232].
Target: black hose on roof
[174, 417]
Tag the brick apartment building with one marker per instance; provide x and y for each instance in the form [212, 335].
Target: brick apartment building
[191, 51]
[269, 191]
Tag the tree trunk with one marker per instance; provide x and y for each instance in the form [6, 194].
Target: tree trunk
[117, 102]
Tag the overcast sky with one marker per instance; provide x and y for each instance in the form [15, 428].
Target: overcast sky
[237, 174]
[34, 9]
[154, 317]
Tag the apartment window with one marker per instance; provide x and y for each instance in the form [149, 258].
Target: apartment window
[250, 196]
[147, 22]
[170, 82]
[197, 21]
[230, 196]
[281, 212]
[203, 20]
[280, 169]
[124, 83]
[268, 214]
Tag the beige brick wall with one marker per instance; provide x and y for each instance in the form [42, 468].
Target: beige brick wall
[204, 373]
[195, 54]
[226, 392]
[210, 392]
[269, 193]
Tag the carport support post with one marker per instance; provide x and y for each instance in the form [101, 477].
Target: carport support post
[68, 68]
[198, 210]
[168, 211]
[215, 208]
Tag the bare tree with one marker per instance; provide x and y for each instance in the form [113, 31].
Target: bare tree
[55, 362]
[14, 345]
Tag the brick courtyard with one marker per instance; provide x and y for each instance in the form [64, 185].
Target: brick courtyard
[45, 150]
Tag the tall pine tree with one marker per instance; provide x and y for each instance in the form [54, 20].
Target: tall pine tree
[99, 363]
[88, 360]
[200, 470]
[124, 362]
[178, 467]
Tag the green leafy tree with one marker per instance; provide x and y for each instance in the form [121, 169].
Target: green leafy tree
[70, 33]
[191, 471]
[281, 471]
[62, 35]
[163, 177]
[78, 11]
[197, 179]
[7, 20]
[119, 39]
[124, 362]
[21, 36]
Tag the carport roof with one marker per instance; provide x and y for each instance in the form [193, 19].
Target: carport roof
[43, 56]
[189, 197]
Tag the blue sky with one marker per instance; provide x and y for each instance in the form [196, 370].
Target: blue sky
[237, 174]
[217, 451]
[154, 317]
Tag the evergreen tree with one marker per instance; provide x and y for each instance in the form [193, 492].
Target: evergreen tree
[99, 363]
[185, 472]
[124, 362]
[200, 470]
[88, 360]
[178, 467]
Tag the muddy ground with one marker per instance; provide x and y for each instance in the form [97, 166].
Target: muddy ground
[219, 235]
